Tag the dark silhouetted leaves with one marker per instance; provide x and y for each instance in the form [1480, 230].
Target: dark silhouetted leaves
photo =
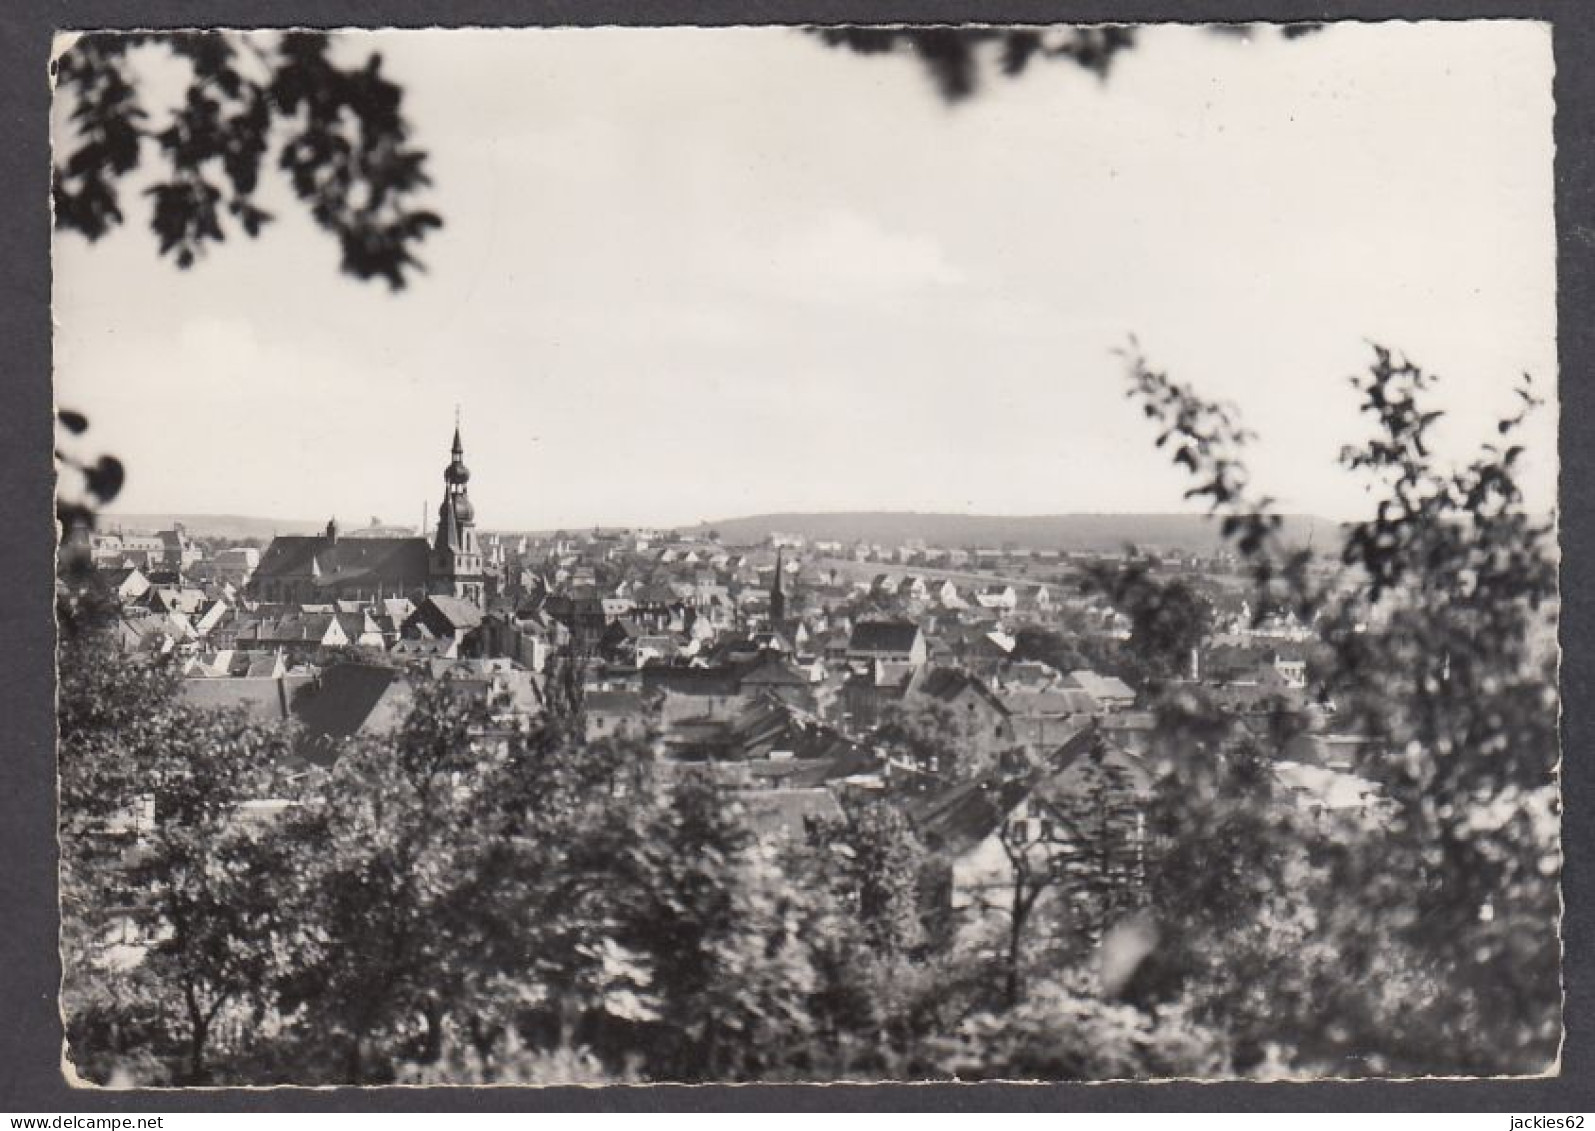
[956, 56]
[105, 478]
[346, 153]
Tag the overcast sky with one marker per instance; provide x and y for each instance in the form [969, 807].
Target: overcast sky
[696, 274]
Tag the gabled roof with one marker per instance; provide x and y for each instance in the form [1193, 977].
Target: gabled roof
[456, 613]
[355, 625]
[724, 680]
[960, 817]
[1100, 687]
[349, 699]
[947, 684]
[1052, 701]
[302, 628]
[770, 670]
[883, 636]
[264, 699]
[1068, 761]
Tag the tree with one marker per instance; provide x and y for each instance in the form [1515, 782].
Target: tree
[877, 865]
[1078, 833]
[959, 60]
[1168, 619]
[930, 745]
[1065, 1031]
[724, 940]
[338, 135]
[1230, 880]
[387, 850]
[155, 836]
[1048, 647]
[1439, 635]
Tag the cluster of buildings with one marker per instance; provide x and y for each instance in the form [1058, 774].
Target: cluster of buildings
[777, 667]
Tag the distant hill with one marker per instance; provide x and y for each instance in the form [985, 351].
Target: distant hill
[1077, 532]
[1065, 532]
[209, 525]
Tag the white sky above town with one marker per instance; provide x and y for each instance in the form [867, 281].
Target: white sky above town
[692, 274]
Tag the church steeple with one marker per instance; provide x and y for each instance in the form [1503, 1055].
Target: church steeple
[456, 563]
[777, 597]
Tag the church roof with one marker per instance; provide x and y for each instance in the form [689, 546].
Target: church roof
[394, 563]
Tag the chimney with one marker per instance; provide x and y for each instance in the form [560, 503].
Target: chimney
[1196, 665]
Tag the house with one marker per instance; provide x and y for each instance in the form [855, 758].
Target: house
[149, 634]
[618, 644]
[773, 676]
[262, 698]
[124, 550]
[1002, 598]
[582, 614]
[227, 663]
[982, 717]
[389, 615]
[983, 826]
[127, 583]
[348, 700]
[771, 733]
[512, 693]
[361, 628]
[442, 616]
[426, 648]
[658, 648]
[297, 630]
[867, 694]
[1043, 719]
[211, 614]
[1029, 675]
[178, 551]
[695, 693]
[170, 599]
[616, 714]
[1110, 692]
[888, 642]
[525, 636]
[1323, 791]
[236, 565]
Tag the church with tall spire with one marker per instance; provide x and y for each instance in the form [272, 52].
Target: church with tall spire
[455, 566]
[331, 566]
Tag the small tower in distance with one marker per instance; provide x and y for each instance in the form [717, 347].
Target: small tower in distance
[455, 565]
[777, 596]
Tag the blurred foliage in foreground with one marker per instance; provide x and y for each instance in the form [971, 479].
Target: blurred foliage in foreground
[249, 101]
